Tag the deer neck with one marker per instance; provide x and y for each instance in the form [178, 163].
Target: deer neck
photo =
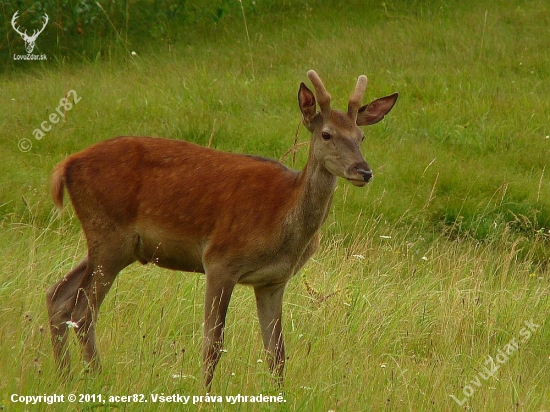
[317, 186]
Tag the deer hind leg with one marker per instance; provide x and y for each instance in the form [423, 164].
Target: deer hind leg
[218, 294]
[269, 302]
[74, 301]
[100, 275]
[87, 301]
[60, 299]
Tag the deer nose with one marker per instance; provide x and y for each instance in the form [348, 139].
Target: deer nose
[366, 173]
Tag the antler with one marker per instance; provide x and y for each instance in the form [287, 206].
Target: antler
[323, 97]
[356, 98]
[37, 32]
[24, 34]
[13, 19]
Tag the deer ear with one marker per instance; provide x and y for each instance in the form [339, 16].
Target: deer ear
[306, 99]
[376, 110]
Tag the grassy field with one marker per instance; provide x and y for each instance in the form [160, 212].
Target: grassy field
[431, 289]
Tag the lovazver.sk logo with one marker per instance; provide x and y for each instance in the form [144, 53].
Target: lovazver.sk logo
[30, 41]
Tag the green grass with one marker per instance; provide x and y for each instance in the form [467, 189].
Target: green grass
[422, 275]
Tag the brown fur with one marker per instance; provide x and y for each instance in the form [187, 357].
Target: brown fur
[236, 218]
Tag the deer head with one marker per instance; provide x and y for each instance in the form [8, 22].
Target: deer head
[29, 40]
[336, 136]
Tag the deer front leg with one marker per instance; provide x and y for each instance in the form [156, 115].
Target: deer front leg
[218, 294]
[269, 301]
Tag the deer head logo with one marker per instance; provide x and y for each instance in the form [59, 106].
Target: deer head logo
[29, 40]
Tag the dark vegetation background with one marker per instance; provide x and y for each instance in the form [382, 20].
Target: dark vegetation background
[88, 30]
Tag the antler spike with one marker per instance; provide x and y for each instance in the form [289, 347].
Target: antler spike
[15, 26]
[357, 97]
[37, 32]
[323, 97]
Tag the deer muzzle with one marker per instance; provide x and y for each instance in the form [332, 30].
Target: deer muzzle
[359, 174]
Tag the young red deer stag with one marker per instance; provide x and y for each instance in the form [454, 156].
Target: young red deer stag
[236, 218]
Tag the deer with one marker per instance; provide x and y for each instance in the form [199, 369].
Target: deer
[29, 40]
[238, 219]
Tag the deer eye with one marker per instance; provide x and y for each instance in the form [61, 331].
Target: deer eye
[363, 138]
[325, 135]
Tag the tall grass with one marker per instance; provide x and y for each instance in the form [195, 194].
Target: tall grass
[422, 275]
[390, 321]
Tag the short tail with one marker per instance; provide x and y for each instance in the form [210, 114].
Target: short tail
[58, 184]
